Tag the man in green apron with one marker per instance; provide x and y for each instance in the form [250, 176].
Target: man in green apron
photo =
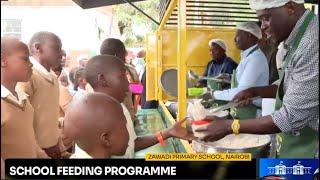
[296, 118]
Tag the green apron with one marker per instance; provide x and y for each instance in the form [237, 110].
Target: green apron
[247, 112]
[216, 85]
[302, 144]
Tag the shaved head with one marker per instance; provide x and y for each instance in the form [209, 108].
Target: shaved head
[113, 47]
[45, 47]
[94, 115]
[102, 64]
[42, 37]
[104, 108]
[11, 44]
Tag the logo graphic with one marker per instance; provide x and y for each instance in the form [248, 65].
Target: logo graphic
[297, 169]
[288, 168]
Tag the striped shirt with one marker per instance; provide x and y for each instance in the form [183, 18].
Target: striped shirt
[301, 82]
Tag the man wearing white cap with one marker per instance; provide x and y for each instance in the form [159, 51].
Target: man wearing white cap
[253, 68]
[296, 118]
[220, 63]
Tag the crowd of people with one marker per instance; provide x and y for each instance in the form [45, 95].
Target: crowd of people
[49, 112]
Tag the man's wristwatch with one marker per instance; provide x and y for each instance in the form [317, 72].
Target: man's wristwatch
[235, 126]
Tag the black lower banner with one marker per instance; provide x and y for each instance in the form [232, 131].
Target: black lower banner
[127, 169]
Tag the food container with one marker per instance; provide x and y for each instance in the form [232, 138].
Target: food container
[196, 124]
[196, 91]
[258, 150]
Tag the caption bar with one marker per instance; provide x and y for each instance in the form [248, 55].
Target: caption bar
[199, 157]
[132, 168]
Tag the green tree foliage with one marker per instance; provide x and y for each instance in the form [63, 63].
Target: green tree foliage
[133, 24]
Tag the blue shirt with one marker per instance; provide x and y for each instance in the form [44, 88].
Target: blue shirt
[214, 68]
[252, 71]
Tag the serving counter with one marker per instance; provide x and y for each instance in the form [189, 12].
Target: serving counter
[151, 121]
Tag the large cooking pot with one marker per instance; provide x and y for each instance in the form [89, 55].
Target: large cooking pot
[258, 151]
[169, 82]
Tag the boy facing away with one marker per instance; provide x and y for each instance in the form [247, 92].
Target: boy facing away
[98, 126]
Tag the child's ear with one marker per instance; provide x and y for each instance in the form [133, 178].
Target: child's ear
[104, 139]
[102, 81]
[37, 47]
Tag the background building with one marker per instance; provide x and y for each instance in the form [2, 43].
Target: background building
[81, 31]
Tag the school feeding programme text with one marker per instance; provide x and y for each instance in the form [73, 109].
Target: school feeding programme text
[92, 171]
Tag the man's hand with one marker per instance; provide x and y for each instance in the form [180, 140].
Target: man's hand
[216, 130]
[180, 132]
[243, 97]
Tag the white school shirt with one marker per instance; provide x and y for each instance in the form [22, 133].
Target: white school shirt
[132, 135]
[80, 154]
[40, 68]
[78, 95]
[21, 95]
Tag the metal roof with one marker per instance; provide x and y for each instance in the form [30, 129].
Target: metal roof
[86, 4]
[213, 13]
[203, 13]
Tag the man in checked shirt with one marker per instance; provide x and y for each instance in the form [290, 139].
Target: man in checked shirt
[296, 118]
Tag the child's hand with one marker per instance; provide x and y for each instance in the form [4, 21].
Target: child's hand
[181, 132]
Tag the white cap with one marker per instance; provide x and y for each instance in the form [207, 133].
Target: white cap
[219, 42]
[267, 4]
[251, 27]
[82, 57]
